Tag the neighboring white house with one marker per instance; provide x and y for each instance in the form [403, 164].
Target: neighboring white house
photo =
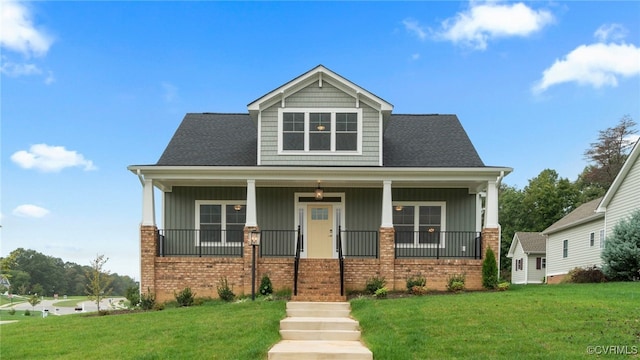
[577, 240]
[528, 262]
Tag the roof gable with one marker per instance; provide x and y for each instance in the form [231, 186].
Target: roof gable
[626, 168]
[319, 74]
[530, 242]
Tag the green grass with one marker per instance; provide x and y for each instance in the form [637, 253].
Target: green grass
[213, 331]
[526, 322]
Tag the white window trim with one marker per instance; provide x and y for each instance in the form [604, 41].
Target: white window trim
[333, 150]
[592, 239]
[416, 223]
[223, 208]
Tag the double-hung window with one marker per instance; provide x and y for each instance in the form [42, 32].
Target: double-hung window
[419, 224]
[220, 223]
[602, 239]
[592, 239]
[320, 131]
[565, 248]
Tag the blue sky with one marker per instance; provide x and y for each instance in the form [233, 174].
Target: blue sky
[88, 88]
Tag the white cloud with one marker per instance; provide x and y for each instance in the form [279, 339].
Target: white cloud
[487, 20]
[414, 27]
[50, 79]
[415, 56]
[29, 210]
[19, 34]
[597, 65]
[14, 70]
[170, 92]
[50, 158]
[614, 32]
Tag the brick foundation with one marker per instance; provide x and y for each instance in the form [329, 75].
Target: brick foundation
[166, 275]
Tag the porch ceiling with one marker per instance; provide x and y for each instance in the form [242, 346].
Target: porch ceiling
[474, 179]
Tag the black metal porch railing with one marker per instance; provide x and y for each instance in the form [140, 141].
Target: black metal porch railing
[360, 243]
[278, 243]
[296, 263]
[200, 243]
[340, 259]
[438, 245]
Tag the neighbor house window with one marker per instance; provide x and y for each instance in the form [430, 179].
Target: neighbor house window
[602, 239]
[544, 263]
[220, 223]
[592, 239]
[565, 248]
[320, 131]
[419, 224]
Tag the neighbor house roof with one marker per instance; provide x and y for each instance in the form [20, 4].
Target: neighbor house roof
[584, 213]
[531, 243]
[214, 139]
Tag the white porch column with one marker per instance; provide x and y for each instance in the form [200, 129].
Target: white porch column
[491, 209]
[252, 219]
[387, 206]
[148, 204]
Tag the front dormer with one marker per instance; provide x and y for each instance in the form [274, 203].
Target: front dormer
[320, 119]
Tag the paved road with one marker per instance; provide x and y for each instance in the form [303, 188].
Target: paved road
[86, 305]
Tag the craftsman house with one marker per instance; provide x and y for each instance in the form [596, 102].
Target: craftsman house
[336, 188]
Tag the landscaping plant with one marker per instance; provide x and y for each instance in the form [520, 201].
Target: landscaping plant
[489, 270]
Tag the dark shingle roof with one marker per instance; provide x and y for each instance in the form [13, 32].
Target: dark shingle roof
[428, 141]
[532, 242]
[213, 139]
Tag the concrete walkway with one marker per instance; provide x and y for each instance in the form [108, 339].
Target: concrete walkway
[316, 330]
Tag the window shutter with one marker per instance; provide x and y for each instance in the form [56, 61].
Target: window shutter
[538, 263]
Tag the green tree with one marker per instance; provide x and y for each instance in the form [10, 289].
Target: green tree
[489, 270]
[34, 300]
[98, 280]
[547, 199]
[621, 254]
[606, 157]
[511, 217]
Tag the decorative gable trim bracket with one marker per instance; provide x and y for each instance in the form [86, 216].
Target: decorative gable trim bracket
[321, 75]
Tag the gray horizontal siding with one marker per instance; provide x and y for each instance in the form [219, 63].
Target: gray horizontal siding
[313, 96]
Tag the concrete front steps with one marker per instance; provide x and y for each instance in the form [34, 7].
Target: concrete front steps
[319, 330]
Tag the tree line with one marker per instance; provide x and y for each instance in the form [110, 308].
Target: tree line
[548, 197]
[31, 272]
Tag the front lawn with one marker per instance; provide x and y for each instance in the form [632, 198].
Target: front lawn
[526, 322]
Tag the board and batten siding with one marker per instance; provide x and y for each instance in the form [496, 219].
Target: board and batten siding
[326, 96]
[626, 200]
[275, 206]
[580, 253]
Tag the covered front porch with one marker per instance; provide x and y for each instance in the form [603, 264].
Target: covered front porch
[372, 222]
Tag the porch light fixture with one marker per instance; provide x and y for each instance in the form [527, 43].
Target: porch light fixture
[237, 207]
[320, 127]
[398, 208]
[319, 193]
[254, 238]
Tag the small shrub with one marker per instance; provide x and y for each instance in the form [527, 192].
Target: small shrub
[27, 313]
[103, 312]
[416, 280]
[418, 290]
[381, 293]
[185, 297]
[375, 283]
[489, 270]
[456, 282]
[148, 300]
[503, 286]
[12, 311]
[224, 291]
[158, 306]
[133, 295]
[266, 288]
[200, 301]
[586, 275]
